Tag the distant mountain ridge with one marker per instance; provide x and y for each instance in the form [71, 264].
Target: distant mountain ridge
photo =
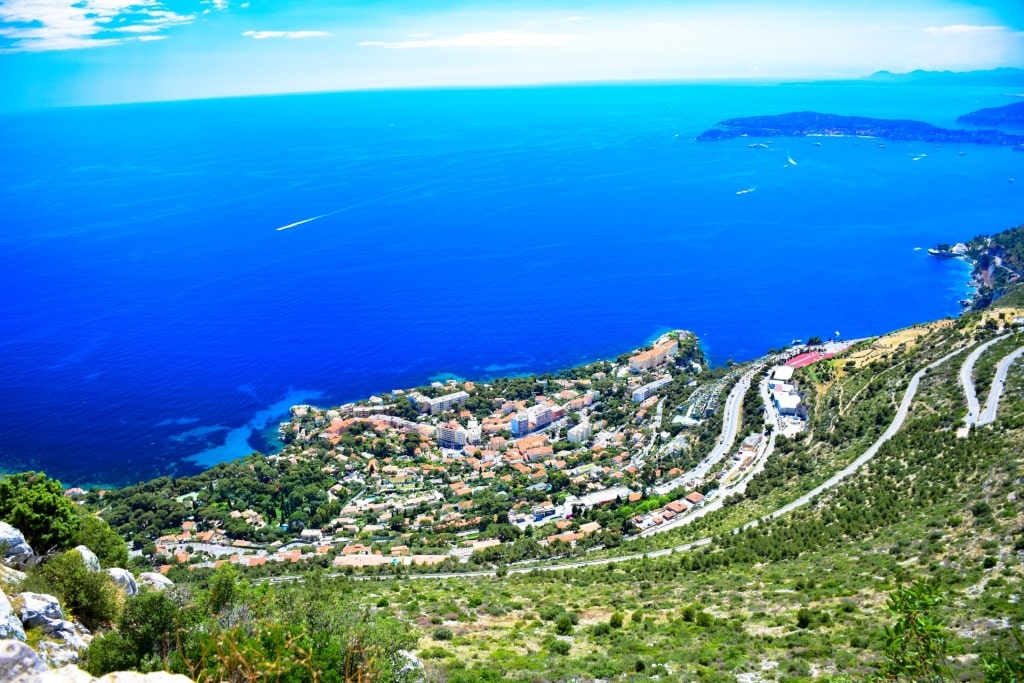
[1003, 76]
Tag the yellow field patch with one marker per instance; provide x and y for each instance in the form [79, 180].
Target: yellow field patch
[887, 344]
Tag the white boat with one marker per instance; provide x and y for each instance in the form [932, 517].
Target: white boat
[747, 191]
[790, 160]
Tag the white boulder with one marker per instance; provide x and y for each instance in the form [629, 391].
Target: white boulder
[18, 661]
[65, 674]
[40, 610]
[10, 576]
[69, 641]
[134, 677]
[154, 580]
[10, 624]
[13, 547]
[92, 563]
[124, 580]
[59, 654]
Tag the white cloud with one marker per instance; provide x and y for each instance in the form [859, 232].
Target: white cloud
[571, 19]
[44, 25]
[137, 28]
[480, 39]
[261, 35]
[960, 29]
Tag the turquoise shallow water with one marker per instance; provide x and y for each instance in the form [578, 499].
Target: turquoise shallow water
[156, 318]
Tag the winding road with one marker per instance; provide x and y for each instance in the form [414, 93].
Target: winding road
[729, 428]
[967, 380]
[988, 415]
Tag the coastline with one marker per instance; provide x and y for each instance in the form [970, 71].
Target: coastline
[261, 324]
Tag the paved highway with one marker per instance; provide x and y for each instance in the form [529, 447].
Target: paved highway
[995, 393]
[897, 422]
[967, 380]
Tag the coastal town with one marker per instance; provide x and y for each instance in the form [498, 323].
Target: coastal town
[490, 473]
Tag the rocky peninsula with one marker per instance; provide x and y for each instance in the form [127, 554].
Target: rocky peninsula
[1008, 115]
[815, 124]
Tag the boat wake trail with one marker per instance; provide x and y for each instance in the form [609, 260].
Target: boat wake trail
[298, 223]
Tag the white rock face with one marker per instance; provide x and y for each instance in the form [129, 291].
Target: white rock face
[13, 547]
[18, 660]
[58, 654]
[39, 609]
[67, 674]
[132, 677]
[124, 580]
[154, 580]
[10, 624]
[68, 642]
[20, 664]
[10, 576]
[92, 563]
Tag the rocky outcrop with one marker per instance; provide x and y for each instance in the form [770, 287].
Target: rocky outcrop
[92, 563]
[124, 580]
[20, 664]
[66, 639]
[10, 577]
[39, 610]
[10, 624]
[154, 580]
[132, 677]
[14, 550]
[18, 661]
[68, 674]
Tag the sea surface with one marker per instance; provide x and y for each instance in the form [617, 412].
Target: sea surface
[159, 316]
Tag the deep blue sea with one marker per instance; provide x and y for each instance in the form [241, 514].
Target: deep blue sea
[155, 320]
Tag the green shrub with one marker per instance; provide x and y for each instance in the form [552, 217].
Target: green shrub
[442, 633]
[91, 597]
[616, 620]
[559, 647]
[110, 652]
[96, 535]
[551, 612]
[35, 505]
[563, 625]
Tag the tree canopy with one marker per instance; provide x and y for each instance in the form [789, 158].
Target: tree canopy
[36, 505]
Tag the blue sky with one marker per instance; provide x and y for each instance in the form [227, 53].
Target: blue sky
[69, 52]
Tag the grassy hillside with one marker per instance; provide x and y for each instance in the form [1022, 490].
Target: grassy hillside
[802, 597]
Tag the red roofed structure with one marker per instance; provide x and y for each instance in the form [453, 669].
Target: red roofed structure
[805, 359]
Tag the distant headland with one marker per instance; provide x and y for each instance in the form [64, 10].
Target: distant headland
[1001, 77]
[1007, 115]
[815, 124]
